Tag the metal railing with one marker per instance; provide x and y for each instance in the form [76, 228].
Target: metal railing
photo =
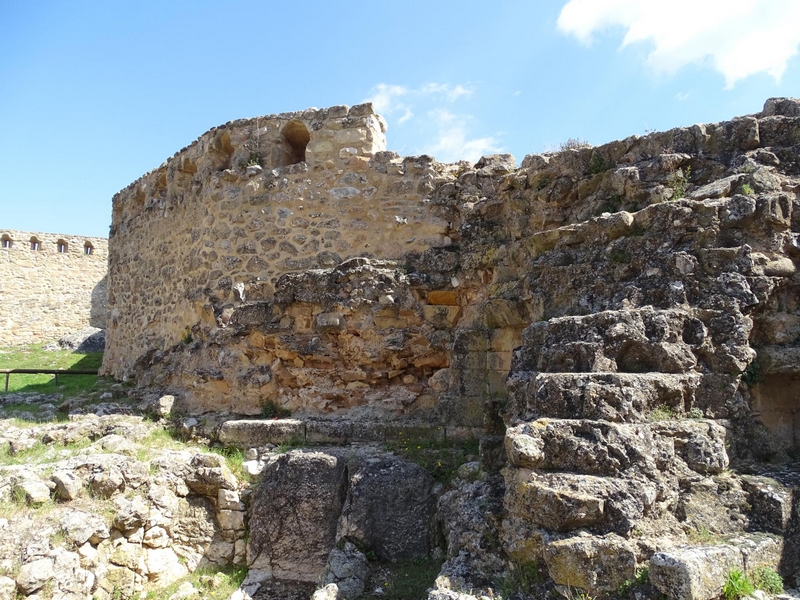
[55, 372]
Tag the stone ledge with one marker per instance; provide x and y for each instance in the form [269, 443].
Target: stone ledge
[250, 433]
[699, 572]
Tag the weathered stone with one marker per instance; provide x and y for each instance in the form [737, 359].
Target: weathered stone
[231, 519]
[33, 575]
[696, 573]
[8, 588]
[389, 507]
[68, 484]
[131, 514]
[250, 433]
[209, 474]
[293, 514]
[163, 566]
[347, 569]
[82, 527]
[34, 490]
[594, 564]
[229, 500]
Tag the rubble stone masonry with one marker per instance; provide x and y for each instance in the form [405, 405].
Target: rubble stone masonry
[50, 285]
[291, 262]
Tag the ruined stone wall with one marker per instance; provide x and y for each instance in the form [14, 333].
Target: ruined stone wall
[358, 283]
[215, 227]
[52, 290]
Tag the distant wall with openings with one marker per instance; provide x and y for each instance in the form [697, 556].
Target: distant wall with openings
[51, 285]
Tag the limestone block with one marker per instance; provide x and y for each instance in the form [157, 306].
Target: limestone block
[81, 527]
[443, 297]
[256, 433]
[498, 361]
[34, 575]
[591, 563]
[229, 500]
[330, 432]
[441, 317]
[231, 519]
[329, 592]
[156, 537]
[8, 588]
[209, 474]
[35, 490]
[504, 313]
[389, 508]
[68, 484]
[694, 573]
[293, 514]
[127, 555]
[566, 501]
[163, 566]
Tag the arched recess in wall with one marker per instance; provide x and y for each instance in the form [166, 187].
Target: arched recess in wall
[6, 241]
[36, 244]
[62, 246]
[294, 139]
[88, 249]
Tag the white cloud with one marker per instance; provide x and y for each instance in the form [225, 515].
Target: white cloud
[737, 37]
[451, 142]
[384, 98]
[443, 131]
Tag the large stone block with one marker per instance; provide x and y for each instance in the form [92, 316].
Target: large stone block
[252, 433]
[591, 563]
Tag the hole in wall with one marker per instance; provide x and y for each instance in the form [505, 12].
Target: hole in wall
[6, 241]
[221, 151]
[62, 246]
[775, 398]
[36, 245]
[88, 249]
[294, 139]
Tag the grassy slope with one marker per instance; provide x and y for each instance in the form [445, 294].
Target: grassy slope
[34, 357]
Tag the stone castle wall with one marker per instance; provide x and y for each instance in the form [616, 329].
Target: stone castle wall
[53, 290]
[291, 260]
[216, 226]
[620, 325]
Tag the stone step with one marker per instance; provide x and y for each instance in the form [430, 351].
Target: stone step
[255, 433]
[585, 447]
[620, 397]
[637, 341]
[700, 572]
[562, 502]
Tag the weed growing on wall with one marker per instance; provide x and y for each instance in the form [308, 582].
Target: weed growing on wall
[737, 585]
[440, 458]
[678, 182]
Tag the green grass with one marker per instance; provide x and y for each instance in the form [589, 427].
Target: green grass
[34, 357]
[663, 413]
[234, 458]
[737, 585]
[39, 453]
[440, 459]
[521, 577]
[642, 577]
[408, 579]
[768, 580]
[212, 583]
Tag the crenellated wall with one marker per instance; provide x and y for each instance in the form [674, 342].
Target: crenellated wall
[51, 285]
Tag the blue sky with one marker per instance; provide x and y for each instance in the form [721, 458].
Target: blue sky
[95, 94]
